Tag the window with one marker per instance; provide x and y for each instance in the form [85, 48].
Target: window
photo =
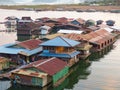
[110, 40]
[105, 43]
[102, 45]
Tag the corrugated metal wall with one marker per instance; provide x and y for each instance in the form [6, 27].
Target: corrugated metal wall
[60, 74]
[25, 80]
[37, 81]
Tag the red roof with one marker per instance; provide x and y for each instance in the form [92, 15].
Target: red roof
[30, 44]
[74, 36]
[99, 36]
[50, 66]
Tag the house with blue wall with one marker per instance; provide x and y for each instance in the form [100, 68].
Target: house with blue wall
[62, 48]
[26, 50]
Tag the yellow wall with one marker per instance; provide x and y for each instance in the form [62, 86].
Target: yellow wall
[59, 49]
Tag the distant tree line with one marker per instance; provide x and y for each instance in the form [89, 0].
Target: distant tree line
[103, 2]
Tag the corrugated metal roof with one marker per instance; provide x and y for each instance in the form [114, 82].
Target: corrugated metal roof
[31, 52]
[54, 35]
[116, 27]
[74, 36]
[79, 20]
[60, 41]
[8, 49]
[30, 44]
[50, 66]
[45, 27]
[69, 31]
[108, 29]
[98, 36]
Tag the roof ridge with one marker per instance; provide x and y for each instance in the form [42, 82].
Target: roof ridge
[44, 62]
[65, 41]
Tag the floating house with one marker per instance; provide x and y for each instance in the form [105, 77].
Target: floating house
[41, 72]
[4, 63]
[24, 20]
[78, 21]
[24, 28]
[62, 48]
[44, 30]
[100, 39]
[68, 26]
[110, 22]
[11, 23]
[20, 51]
[84, 47]
[29, 30]
[63, 20]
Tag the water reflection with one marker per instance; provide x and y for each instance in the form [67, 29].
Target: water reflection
[81, 71]
[97, 55]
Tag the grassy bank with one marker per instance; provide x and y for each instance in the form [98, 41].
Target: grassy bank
[64, 7]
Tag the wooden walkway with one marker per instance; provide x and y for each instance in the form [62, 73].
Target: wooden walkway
[8, 74]
[8, 31]
[5, 76]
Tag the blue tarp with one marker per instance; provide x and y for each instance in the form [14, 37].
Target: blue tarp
[47, 54]
[34, 51]
[74, 53]
[8, 49]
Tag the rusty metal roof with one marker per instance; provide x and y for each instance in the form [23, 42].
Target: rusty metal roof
[98, 36]
[50, 66]
[30, 44]
[74, 36]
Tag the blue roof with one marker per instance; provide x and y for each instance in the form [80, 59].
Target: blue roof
[47, 54]
[61, 41]
[31, 52]
[7, 49]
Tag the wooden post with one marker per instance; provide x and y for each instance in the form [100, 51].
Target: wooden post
[27, 59]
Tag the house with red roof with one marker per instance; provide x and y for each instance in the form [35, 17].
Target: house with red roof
[25, 50]
[41, 72]
[100, 39]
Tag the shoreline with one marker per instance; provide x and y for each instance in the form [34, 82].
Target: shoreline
[71, 7]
